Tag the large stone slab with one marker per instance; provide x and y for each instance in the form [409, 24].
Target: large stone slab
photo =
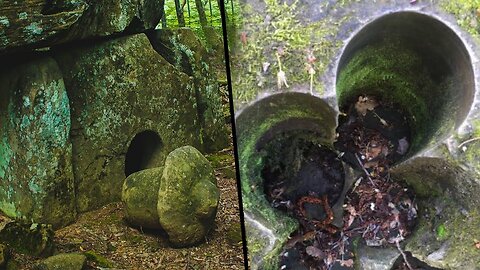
[118, 89]
[36, 179]
[188, 197]
[183, 49]
[44, 23]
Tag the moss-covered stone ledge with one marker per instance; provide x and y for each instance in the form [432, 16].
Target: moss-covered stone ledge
[448, 216]
[39, 23]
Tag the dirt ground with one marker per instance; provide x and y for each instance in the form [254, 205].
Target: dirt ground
[110, 243]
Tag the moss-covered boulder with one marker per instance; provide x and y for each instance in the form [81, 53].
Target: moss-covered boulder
[64, 261]
[36, 179]
[183, 49]
[39, 23]
[140, 197]
[117, 89]
[28, 238]
[188, 197]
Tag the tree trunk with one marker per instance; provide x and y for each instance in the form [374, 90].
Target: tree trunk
[179, 9]
[201, 13]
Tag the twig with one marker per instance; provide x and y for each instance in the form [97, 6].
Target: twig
[364, 170]
[403, 255]
[468, 141]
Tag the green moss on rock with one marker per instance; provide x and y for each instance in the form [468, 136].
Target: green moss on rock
[117, 89]
[32, 239]
[36, 177]
[140, 197]
[64, 261]
[183, 49]
[188, 197]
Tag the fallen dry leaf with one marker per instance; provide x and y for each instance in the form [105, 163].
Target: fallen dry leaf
[347, 263]
[365, 104]
[315, 252]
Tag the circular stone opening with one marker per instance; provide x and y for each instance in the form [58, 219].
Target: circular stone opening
[297, 167]
[294, 121]
[415, 63]
[144, 151]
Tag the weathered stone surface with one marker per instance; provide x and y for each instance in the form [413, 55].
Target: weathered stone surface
[36, 180]
[140, 197]
[117, 89]
[449, 219]
[369, 258]
[188, 197]
[45, 23]
[183, 49]
[32, 239]
[64, 261]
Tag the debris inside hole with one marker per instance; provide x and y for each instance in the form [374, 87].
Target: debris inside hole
[377, 210]
[299, 170]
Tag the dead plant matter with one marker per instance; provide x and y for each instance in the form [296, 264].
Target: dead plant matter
[377, 210]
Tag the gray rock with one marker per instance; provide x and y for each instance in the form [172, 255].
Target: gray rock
[183, 49]
[64, 261]
[118, 89]
[45, 23]
[140, 197]
[369, 258]
[188, 197]
[36, 179]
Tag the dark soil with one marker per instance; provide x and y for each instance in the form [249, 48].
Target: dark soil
[377, 211]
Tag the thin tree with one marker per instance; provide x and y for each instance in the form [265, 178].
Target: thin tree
[201, 13]
[179, 10]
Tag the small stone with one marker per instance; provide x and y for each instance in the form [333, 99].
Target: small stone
[370, 258]
[64, 261]
[188, 197]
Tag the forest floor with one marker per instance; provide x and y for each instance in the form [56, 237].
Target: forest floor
[109, 243]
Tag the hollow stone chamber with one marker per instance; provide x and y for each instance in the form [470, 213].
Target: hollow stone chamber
[409, 59]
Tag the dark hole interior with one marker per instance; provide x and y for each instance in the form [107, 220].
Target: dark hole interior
[142, 151]
[296, 165]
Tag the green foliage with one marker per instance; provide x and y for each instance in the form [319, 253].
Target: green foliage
[192, 19]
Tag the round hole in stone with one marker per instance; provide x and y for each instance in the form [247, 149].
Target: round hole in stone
[277, 117]
[143, 152]
[297, 165]
[418, 64]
